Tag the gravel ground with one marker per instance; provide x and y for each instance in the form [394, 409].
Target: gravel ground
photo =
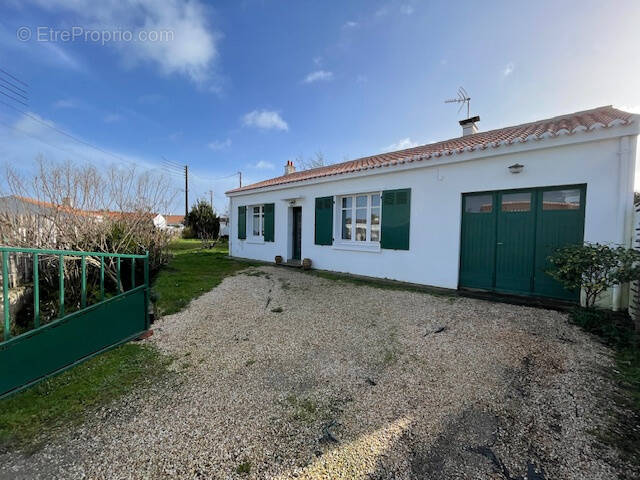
[286, 375]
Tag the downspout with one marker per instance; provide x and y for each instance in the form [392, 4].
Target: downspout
[624, 218]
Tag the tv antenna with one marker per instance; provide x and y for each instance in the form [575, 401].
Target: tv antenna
[463, 97]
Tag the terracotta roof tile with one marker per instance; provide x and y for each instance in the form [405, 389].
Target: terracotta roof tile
[601, 117]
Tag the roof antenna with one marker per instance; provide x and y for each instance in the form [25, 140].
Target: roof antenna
[463, 97]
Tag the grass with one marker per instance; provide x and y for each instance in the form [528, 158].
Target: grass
[66, 399]
[617, 331]
[191, 272]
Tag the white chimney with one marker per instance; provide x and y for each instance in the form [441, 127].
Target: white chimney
[289, 168]
[469, 126]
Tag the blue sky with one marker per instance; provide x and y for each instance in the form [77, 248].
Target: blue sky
[247, 85]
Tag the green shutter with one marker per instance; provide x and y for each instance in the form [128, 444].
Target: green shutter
[324, 221]
[269, 209]
[396, 219]
[242, 223]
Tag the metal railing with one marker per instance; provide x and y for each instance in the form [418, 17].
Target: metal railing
[61, 254]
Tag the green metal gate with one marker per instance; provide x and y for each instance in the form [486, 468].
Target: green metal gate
[71, 338]
[507, 237]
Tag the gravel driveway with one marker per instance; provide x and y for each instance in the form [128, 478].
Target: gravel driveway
[283, 374]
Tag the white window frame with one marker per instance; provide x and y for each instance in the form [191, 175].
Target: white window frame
[250, 236]
[353, 244]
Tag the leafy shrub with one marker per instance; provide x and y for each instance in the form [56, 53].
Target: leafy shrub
[203, 221]
[594, 267]
[187, 233]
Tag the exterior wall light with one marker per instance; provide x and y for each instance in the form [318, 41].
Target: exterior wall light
[516, 168]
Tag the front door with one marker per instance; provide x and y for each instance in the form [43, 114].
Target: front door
[297, 233]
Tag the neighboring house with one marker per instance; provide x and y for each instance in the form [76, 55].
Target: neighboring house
[172, 223]
[481, 211]
[224, 226]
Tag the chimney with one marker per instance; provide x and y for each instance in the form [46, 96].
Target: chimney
[469, 126]
[289, 168]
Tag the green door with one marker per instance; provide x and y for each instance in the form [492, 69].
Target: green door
[478, 241]
[560, 222]
[507, 237]
[515, 241]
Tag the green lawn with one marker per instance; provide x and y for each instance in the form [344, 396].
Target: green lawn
[66, 398]
[191, 272]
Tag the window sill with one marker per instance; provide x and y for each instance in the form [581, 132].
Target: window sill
[364, 247]
[255, 241]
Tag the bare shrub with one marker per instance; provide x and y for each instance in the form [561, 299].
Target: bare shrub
[71, 206]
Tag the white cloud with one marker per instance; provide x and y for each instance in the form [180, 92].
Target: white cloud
[65, 103]
[319, 76]
[402, 144]
[263, 165]
[407, 9]
[265, 119]
[112, 118]
[350, 24]
[220, 144]
[189, 48]
[508, 70]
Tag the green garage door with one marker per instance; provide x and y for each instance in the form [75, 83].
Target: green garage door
[508, 235]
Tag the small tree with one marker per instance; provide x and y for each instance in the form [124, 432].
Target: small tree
[594, 267]
[203, 221]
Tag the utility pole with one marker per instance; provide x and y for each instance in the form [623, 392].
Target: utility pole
[240, 177]
[211, 196]
[186, 191]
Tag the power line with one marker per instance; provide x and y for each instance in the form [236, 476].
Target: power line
[14, 77]
[13, 85]
[14, 99]
[13, 89]
[72, 137]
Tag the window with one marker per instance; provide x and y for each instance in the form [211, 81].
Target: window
[516, 202]
[257, 218]
[360, 218]
[561, 199]
[478, 203]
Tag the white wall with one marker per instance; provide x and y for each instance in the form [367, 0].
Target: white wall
[436, 192]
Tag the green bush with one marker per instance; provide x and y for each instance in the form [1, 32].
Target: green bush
[187, 233]
[594, 267]
[203, 221]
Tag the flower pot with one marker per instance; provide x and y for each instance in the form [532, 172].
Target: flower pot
[278, 259]
[306, 263]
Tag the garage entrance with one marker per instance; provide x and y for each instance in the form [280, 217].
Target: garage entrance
[507, 236]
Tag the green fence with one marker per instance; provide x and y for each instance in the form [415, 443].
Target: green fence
[71, 337]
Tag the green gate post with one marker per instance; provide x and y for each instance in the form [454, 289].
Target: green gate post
[101, 278]
[83, 286]
[61, 285]
[146, 289]
[133, 272]
[5, 294]
[118, 290]
[36, 292]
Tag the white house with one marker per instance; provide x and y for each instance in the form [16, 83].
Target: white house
[480, 211]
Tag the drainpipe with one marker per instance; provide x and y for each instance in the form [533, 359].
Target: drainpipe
[624, 218]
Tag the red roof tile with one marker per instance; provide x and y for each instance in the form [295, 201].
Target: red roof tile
[587, 120]
[174, 219]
